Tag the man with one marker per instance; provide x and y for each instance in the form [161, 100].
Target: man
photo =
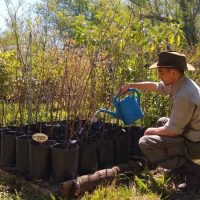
[178, 137]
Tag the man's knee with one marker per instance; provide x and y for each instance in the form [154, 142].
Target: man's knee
[148, 146]
[150, 142]
[143, 142]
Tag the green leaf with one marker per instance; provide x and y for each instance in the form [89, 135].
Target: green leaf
[171, 38]
[178, 40]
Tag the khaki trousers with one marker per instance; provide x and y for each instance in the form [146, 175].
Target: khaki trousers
[168, 152]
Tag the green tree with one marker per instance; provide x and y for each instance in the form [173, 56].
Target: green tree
[186, 13]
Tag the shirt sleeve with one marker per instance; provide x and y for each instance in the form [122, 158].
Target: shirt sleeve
[162, 89]
[181, 114]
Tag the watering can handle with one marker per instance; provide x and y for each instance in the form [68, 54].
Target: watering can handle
[115, 101]
[138, 94]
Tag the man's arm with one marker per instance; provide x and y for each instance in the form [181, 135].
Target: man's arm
[163, 131]
[146, 86]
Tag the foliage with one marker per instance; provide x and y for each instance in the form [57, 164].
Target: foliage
[186, 13]
[147, 183]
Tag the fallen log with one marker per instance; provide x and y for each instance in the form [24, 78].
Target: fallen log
[76, 187]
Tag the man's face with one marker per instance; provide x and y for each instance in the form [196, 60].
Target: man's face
[167, 75]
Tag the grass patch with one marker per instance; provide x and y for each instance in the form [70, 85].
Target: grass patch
[149, 185]
[113, 192]
[123, 187]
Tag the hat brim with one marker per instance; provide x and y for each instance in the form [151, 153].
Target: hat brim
[154, 65]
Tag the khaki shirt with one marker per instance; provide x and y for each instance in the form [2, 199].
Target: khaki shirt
[185, 114]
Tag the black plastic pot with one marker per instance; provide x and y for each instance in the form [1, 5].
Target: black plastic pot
[88, 162]
[64, 161]
[8, 148]
[121, 146]
[105, 151]
[34, 127]
[108, 129]
[22, 153]
[40, 160]
[55, 131]
[1, 131]
[136, 133]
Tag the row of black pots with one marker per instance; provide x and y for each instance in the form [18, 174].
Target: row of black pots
[63, 161]
[39, 161]
[116, 149]
[62, 130]
[56, 130]
[102, 154]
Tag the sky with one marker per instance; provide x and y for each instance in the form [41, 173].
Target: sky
[3, 9]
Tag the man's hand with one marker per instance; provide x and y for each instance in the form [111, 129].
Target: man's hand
[163, 131]
[123, 90]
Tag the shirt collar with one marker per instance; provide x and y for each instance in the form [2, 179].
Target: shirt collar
[175, 87]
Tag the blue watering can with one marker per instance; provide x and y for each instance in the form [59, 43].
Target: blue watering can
[127, 109]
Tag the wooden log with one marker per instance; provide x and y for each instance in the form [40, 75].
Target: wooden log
[89, 182]
[77, 186]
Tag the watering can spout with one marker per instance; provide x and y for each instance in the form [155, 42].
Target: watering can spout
[114, 114]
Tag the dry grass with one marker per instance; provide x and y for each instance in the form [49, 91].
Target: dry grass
[10, 191]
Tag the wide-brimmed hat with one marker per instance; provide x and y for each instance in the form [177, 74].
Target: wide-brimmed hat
[172, 59]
